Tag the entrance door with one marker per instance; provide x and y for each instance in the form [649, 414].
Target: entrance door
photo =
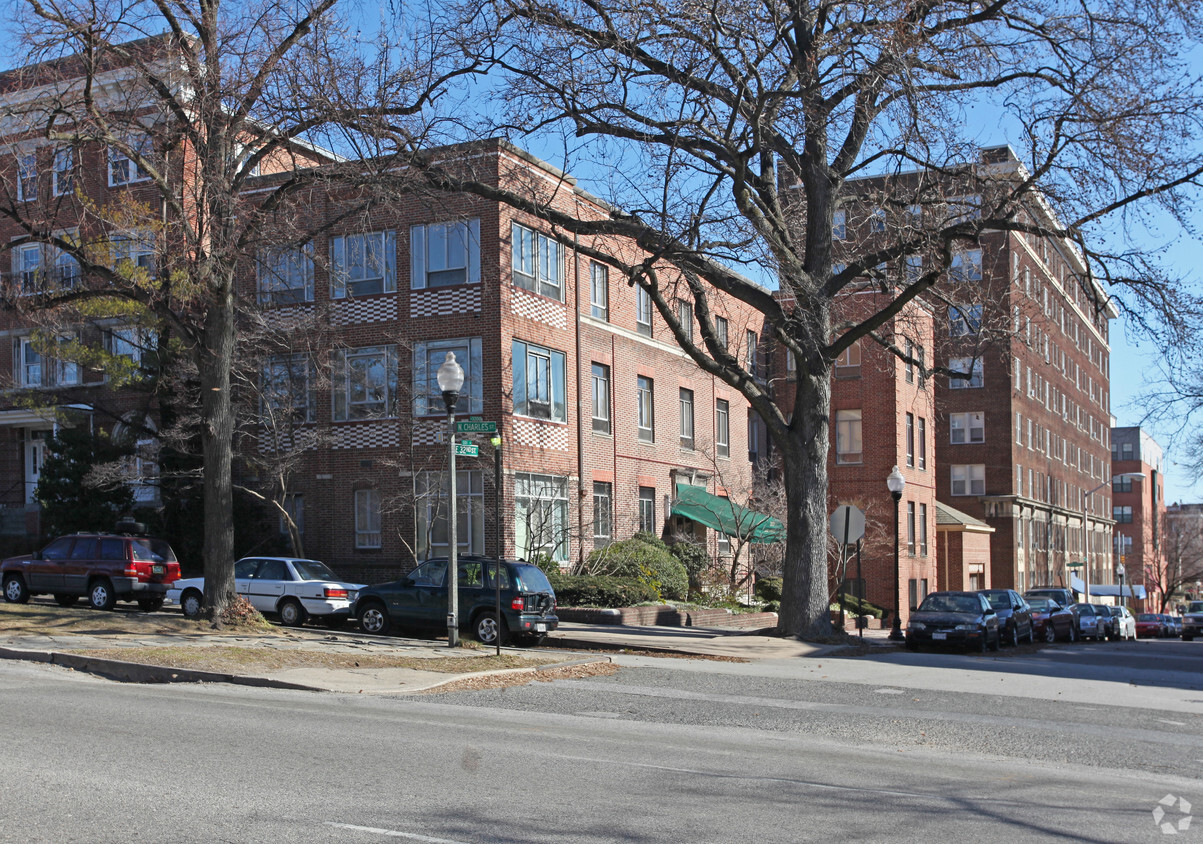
[35, 456]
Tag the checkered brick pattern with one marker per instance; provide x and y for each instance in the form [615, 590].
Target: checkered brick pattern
[429, 432]
[283, 319]
[368, 435]
[461, 300]
[554, 437]
[539, 308]
[355, 312]
[301, 440]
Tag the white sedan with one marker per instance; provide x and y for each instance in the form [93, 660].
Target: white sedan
[1127, 623]
[292, 588]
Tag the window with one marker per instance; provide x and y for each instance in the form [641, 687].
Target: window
[720, 331]
[442, 254]
[754, 425]
[132, 343]
[910, 439]
[27, 178]
[910, 528]
[123, 169]
[539, 382]
[62, 177]
[541, 512]
[429, 355]
[752, 360]
[969, 479]
[839, 225]
[847, 365]
[434, 539]
[685, 317]
[722, 428]
[36, 370]
[364, 383]
[30, 372]
[847, 436]
[964, 208]
[877, 221]
[1122, 515]
[913, 268]
[646, 409]
[964, 320]
[791, 365]
[601, 398]
[686, 418]
[287, 389]
[923, 530]
[133, 252]
[921, 435]
[285, 275]
[967, 427]
[603, 514]
[647, 510]
[27, 266]
[599, 290]
[966, 266]
[367, 518]
[971, 369]
[538, 262]
[1119, 484]
[294, 506]
[908, 366]
[643, 312]
[363, 264]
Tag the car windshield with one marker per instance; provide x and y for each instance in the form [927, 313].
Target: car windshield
[951, 603]
[149, 550]
[313, 570]
[1147, 616]
[531, 579]
[1042, 604]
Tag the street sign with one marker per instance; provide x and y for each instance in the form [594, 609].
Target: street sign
[475, 426]
[1075, 565]
[847, 524]
[467, 449]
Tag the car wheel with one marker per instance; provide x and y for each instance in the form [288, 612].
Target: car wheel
[486, 628]
[1050, 633]
[151, 604]
[1031, 633]
[1073, 632]
[191, 602]
[985, 645]
[100, 595]
[292, 614]
[15, 591]
[997, 640]
[373, 618]
[1014, 639]
[66, 600]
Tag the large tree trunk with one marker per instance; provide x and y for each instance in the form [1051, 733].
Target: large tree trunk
[804, 466]
[217, 430]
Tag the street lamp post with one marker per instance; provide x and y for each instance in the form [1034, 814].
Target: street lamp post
[451, 380]
[1119, 573]
[896, 482]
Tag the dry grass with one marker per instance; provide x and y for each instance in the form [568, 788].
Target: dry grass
[495, 681]
[36, 618]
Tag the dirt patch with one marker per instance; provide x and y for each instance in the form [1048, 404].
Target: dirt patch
[229, 659]
[37, 618]
[547, 675]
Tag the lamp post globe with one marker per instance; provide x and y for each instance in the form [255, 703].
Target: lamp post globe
[896, 483]
[1120, 571]
[451, 380]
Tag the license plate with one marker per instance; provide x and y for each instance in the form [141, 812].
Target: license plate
[939, 635]
[158, 569]
[540, 627]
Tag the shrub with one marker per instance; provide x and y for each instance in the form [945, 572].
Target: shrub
[768, 588]
[648, 562]
[856, 606]
[695, 559]
[600, 591]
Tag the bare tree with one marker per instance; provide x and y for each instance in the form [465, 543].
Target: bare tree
[190, 102]
[1180, 564]
[729, 135]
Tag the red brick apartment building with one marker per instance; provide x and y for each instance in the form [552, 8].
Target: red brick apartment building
[601, 415]
[1139, 511]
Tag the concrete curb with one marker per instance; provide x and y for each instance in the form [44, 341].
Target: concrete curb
[504, 672]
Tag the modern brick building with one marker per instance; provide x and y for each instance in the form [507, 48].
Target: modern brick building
[1139, 511]
[601, 415]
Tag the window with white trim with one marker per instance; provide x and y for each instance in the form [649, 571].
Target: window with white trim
[443, 254]
[539, 382]
[367, 518]
[968, 479]
[964, 320]
[645, 404]
[910, 439]
[27, 177]
[921, 436]
[538, 262]
[686, 401]
[720, 331]
[839, 225]
[132, 252]
[429, 355]
[62, 175]
[363, 264]
[685, 318]
[647, 511]
[285, 275]
[433, 536]
[541, 516]
[722, 428]
[601, 398]
[848, 448]
[123, 169]
[922, 530]
[287, 389]
[966, 266]
[971, 373]
[967, 427]
[364, 383]
[847, 364]
[643, 312]
[603, 514]
[599, 291]
[877, 221]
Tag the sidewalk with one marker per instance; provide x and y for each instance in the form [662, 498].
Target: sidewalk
[563, 648]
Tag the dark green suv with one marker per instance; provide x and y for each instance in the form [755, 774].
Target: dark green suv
[418, 601]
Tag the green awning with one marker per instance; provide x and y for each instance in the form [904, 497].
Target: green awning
[718, 513]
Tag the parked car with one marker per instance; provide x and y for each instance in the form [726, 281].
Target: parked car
[1125, 622]
[295, 589]
[1149, 626]
[1091, 625]
[1173, 625]
[1014, 615]
[1108, 619]
[1051, 621]
[106, 567]
[418, 601]
[1192, 621]
[954, 618]
[1064, 597]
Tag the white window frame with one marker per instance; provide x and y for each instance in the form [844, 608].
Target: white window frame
[429, 355]
[432, 511]
[599, 291]
[645, 403]
[643, 312]
[284, 275]
[603, 513]
[62, 174]
[549, 493]
[966, 266]
[847, 363]
[368, 533]
[849, 445]
[444, 254]
[537, 261]
[964, 320]
[687, 418]
[839, 225]
[27, 177]
[685, 318]
[31, 367]
[539, 391]
[600, 383]
[124, 170]
[367, 261]
[971, 365]
[722, 428]
[298, 372]
[971, 426]
[968, 479]
[348, 391]
[136, 247]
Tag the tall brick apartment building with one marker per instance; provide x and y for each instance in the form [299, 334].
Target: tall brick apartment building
[1139, 510]
[601, 415]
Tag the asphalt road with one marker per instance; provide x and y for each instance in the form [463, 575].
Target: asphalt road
[898, 747]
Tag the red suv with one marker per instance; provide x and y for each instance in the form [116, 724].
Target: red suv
[107, 567]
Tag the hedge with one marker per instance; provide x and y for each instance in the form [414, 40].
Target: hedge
[600, 591]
